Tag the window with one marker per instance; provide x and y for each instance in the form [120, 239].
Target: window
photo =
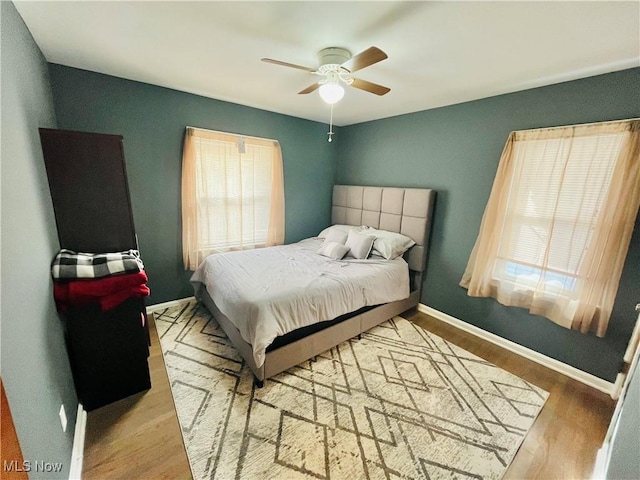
[552, 208]
[232, 194]
[558, 223]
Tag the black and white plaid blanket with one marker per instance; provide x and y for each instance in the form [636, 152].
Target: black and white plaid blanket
[70, 265]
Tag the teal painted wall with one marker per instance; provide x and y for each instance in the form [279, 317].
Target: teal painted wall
[453, 149]
[456, 150]
[152, 120]
[34, 364]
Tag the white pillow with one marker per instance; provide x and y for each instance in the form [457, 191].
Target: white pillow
[333, 250]
[359, 245]
[389, 245]
[341, 228]
[336, 235]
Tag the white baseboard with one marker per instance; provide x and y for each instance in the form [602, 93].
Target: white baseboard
[172, 303]
[77, 452]
[551, 363]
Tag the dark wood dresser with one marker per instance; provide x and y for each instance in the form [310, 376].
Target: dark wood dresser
[87, 176]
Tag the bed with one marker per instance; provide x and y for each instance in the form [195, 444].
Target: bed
[257, 328]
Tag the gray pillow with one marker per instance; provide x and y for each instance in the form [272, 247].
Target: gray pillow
[359, 245]
[333, 250]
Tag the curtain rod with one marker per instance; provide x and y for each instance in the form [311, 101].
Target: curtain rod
[580, 124]
[236, 134]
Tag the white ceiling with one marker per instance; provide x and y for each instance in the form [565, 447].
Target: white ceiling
[440, 53]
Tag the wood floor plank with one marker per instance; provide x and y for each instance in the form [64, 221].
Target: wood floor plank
[139, 437]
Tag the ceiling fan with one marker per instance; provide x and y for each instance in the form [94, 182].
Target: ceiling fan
[336, 67]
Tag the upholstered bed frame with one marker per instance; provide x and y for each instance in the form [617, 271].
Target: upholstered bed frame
[403, 210]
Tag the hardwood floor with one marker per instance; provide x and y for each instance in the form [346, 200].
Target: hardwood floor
[139, 437]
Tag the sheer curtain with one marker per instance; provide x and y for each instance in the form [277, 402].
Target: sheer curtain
[557, 226]
[232, 194]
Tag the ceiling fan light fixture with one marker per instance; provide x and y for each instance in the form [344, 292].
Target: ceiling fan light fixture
[331, 92]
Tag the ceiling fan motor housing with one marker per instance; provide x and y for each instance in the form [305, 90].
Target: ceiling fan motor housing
[333, 56]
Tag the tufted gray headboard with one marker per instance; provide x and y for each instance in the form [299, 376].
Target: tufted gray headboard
[402, 210]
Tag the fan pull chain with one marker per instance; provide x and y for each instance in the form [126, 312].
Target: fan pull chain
[331, 125]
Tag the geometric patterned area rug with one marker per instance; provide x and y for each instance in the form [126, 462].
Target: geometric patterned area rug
[399, 403]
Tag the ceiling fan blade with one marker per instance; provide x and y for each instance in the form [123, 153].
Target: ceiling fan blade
[291, 65]
[370, 56]
[309, 89]
[370, 87]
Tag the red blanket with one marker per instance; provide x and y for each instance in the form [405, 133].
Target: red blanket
[109, 292]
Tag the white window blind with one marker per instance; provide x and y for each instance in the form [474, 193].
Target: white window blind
[553, 204]
[234, 194]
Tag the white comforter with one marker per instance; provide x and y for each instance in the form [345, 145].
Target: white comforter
[268, 292]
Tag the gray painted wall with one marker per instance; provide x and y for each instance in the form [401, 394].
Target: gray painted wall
[34, 366]
[456, 150]
[152, 120]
